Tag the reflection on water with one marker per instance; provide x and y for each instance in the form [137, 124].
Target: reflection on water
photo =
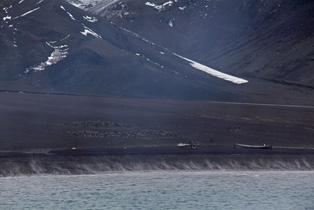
[161, 190]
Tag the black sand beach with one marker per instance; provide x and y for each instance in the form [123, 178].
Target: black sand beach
[46, 128]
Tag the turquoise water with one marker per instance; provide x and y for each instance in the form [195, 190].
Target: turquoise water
[161, 190]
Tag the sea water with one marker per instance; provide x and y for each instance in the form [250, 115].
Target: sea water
[161, 190]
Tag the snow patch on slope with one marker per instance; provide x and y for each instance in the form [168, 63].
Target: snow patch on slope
[149, 60]
[40, 2]
[90, 31]
[26, 13]
[90, 19]
[213, 72]
[7, 18]
[170, 23]
[160, 7]
[71, 16]
[59, 53]
[29, 12]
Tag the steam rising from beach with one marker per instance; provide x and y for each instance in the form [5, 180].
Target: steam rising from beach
[94, 165]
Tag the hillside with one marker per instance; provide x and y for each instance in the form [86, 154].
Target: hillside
[259, 51]
[271, 40]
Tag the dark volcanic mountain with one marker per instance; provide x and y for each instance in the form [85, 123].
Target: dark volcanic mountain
[156, 49]
[264, 39]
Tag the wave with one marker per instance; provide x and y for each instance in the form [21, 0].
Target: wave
[98, 164]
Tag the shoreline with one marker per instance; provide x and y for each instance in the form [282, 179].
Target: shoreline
[79, 165]
[101, 160]
[160, 150]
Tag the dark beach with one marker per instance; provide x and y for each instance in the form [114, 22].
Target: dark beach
[48, 128]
